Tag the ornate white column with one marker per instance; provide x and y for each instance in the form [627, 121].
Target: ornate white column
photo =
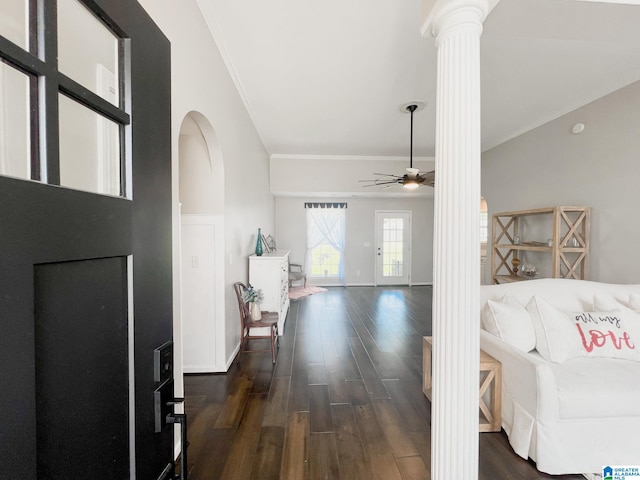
[456, 26]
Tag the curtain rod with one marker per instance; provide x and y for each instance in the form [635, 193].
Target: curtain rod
[324, 205]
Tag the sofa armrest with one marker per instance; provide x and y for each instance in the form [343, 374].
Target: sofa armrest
[526, 377]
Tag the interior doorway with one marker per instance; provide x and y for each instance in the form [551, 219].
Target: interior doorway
[393, 247]
[201, 323]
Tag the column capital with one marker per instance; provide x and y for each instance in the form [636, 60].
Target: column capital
[441, 15]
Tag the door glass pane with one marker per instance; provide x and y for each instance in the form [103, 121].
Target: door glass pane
[89, 149]
[15, 129]
[392, 247]
[87, 50]
[13, 22]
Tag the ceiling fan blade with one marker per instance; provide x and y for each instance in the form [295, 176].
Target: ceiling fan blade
[378, 183]
[388, 175]
[429, 178]
[387, 182]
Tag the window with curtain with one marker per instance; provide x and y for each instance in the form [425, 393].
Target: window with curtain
[325, 240]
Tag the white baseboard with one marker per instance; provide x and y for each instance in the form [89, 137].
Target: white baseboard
[232, 358]
[204, 369]
[214, 368]
[415, 284]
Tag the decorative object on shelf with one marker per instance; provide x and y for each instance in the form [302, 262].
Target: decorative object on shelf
[515, 262]
[259, 244]
[529, 270]
[572, 243]
[414, 178]
[265, 244]
[516, 239]
[254, 297]
[271, 242]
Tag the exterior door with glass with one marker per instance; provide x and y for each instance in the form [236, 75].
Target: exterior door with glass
[393, 247]
[85, 265]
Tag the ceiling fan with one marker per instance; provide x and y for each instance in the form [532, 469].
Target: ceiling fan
[413, 178]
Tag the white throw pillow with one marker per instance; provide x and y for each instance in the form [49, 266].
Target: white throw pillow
[607, 303]
[509, 321]
[634, 302]
[561, 336]
[606, 334]
[556, 338]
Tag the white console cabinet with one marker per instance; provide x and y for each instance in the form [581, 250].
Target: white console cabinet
[270, 273]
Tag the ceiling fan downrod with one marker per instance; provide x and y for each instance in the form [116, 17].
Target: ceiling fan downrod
[411, 108]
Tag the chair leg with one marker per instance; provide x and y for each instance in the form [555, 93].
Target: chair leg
[243, 340]
[273, 345]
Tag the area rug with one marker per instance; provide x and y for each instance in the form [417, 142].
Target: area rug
[296, 293]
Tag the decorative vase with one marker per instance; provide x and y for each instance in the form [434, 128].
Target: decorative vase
[259, 244]
[515, 262]
[254, 311]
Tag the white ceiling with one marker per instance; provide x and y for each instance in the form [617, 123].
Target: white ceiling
[328, 77]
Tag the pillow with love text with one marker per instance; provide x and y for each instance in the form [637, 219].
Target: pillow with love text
[606, 334]
[561, 335]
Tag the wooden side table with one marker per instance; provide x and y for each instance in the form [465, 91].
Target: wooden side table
[490, 387]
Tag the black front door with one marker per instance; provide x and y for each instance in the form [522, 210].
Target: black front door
[85, 277]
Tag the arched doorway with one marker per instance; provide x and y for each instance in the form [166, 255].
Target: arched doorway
[201, 324]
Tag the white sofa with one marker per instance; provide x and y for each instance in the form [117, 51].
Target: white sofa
[583, 412]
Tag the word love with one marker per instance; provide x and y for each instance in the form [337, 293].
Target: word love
[598, 339]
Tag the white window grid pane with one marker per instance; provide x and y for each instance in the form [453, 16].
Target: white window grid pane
[392, 247]
[14, 22]
[89, 149]
[88, 51]
[15, 123]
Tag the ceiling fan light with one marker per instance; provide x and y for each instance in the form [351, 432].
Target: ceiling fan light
[411, 184]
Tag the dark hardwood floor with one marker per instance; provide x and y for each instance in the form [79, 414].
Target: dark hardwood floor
[343, 401]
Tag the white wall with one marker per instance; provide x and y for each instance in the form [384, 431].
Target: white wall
[201, 82]
[291, 234]
[598, 168]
